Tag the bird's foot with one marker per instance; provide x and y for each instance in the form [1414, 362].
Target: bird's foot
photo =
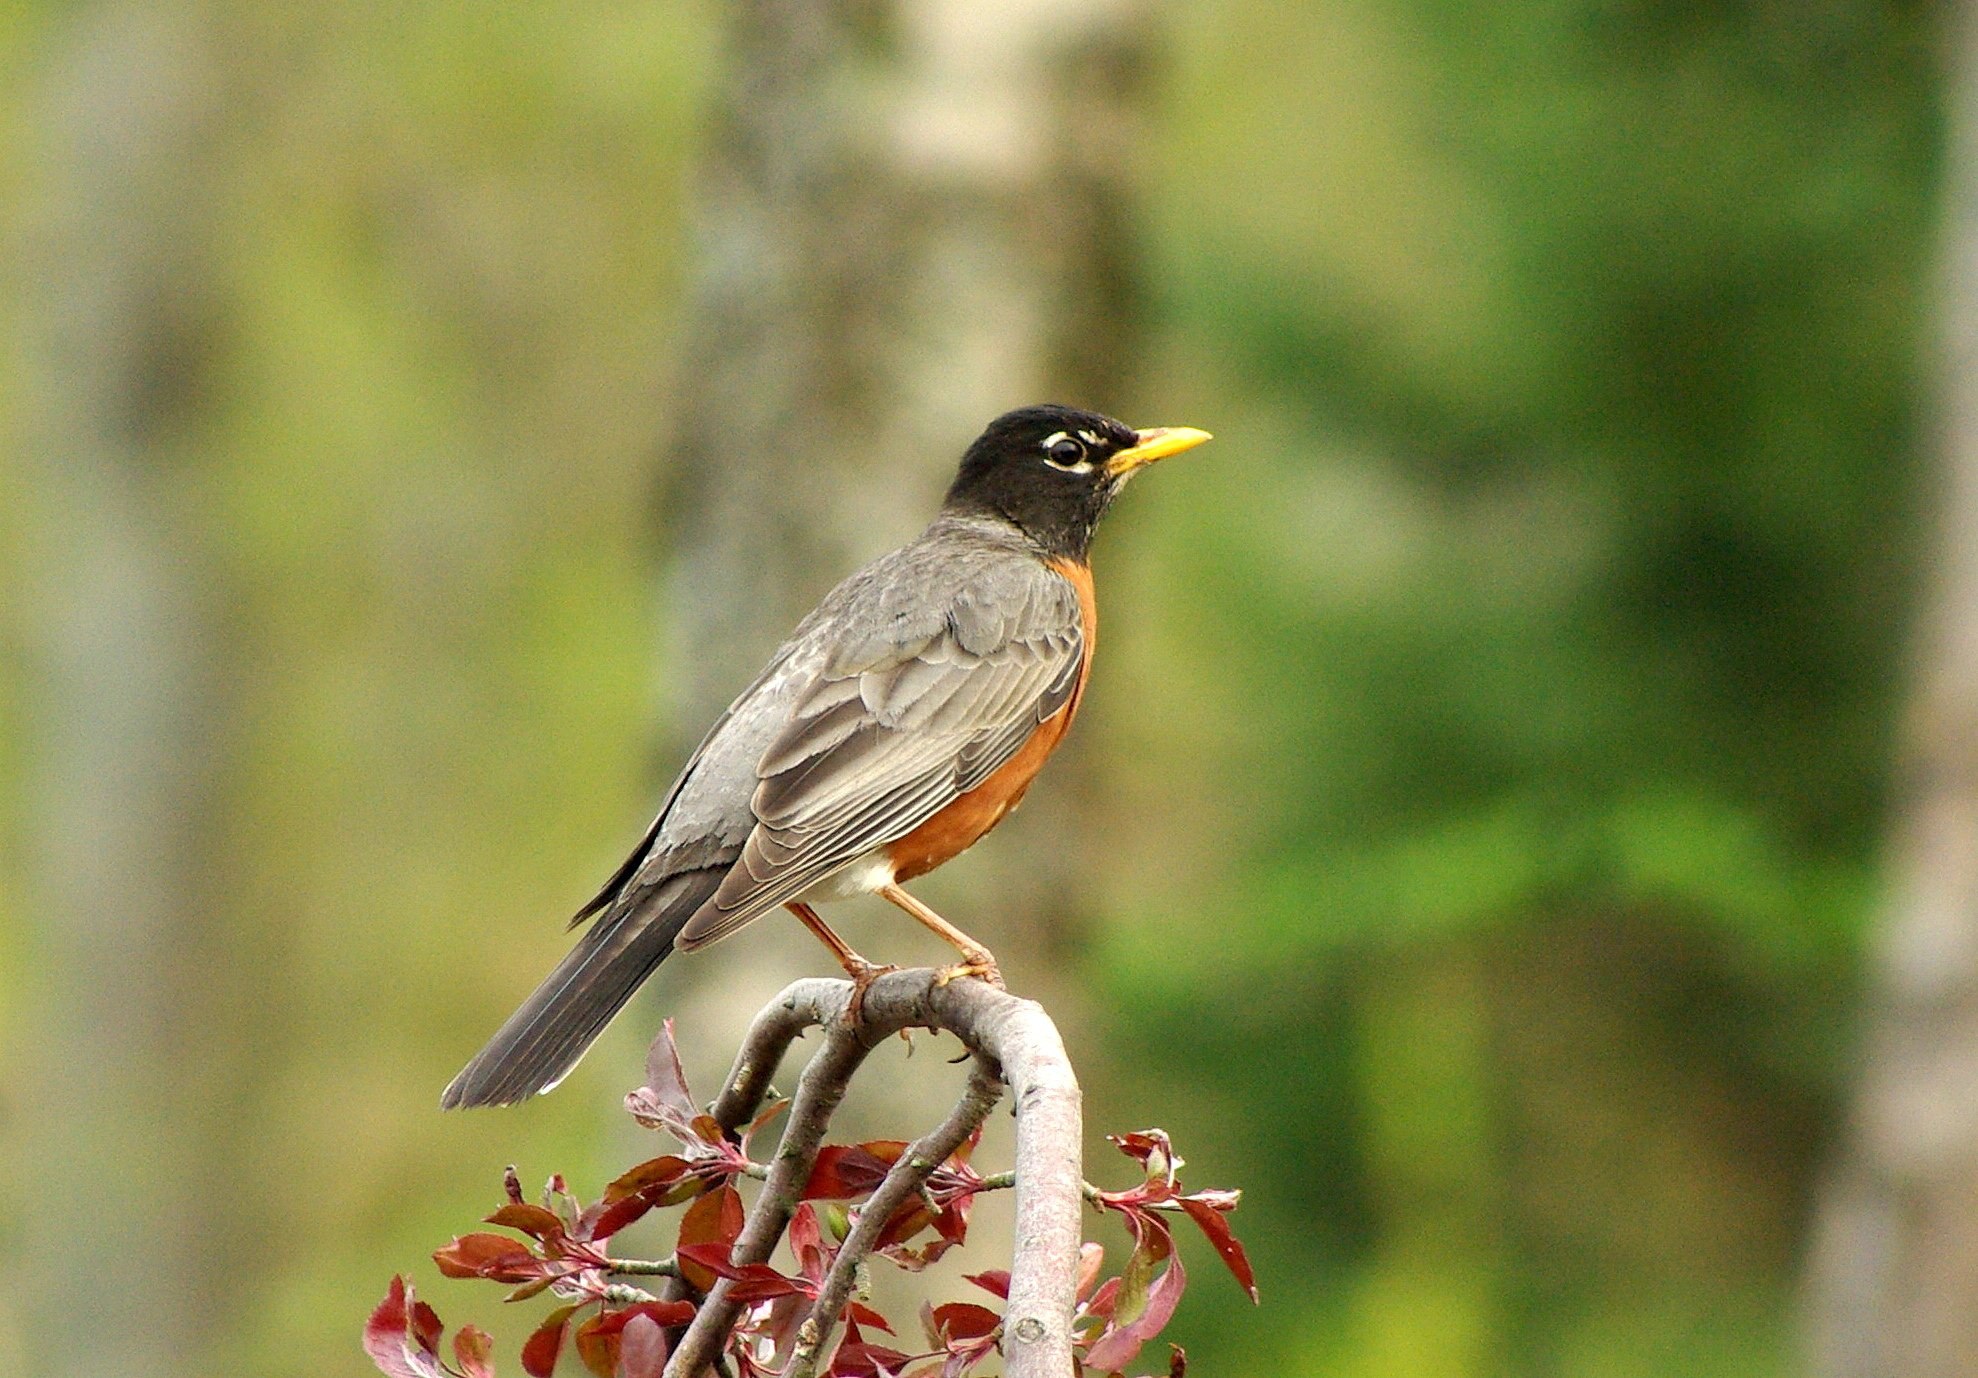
[863, 974]
[980, 964]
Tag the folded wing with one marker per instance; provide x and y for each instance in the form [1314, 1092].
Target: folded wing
[921, 700]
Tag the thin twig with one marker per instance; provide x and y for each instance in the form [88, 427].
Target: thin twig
[645, 1267]
[906, 1177]
[781, 1022]
[818, 1095]
[1014, 1034]
[1003, 1181]
[774, 1029]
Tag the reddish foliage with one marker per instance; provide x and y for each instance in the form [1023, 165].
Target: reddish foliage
[618, 1330]
[403, 1336]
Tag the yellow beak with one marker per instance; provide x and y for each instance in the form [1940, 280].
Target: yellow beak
[1155, 443]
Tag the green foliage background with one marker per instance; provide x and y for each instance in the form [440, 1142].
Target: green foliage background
[1495, 722]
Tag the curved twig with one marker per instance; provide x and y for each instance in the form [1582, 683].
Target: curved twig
[823, 1086]
[915, 1165]
[1016, 1035]
[779, 1024]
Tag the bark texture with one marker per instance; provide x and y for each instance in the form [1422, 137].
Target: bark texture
[1018, 1039]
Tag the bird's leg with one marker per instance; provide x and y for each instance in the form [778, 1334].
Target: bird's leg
[977, 960]
[862, 972]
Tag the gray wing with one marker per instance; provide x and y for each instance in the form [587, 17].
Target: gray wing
[929, 685]
[678, 865]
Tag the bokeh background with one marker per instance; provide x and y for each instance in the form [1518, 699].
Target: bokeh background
[413, 417]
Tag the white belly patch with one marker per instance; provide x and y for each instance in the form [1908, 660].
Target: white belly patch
[865, 876]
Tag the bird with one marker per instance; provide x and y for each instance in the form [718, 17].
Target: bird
[901, 721]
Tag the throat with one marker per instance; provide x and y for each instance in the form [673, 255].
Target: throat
[1055, 530]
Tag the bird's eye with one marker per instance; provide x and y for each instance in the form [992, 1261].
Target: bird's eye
[1064, 451]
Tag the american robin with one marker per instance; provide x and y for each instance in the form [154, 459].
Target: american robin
[899, 723]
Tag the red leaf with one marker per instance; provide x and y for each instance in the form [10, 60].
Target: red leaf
[536, 1288]
[1091, 1258]
[1177, 1362]
[655, 1174]
[865, 1315]
[664, 1101]
[1149, 1147]
[996, 1281]
[914, 1260]
[538, 1222]
[643, 1350]
[539, 1351]
[663, 1181]
[426, 1327]
[618, 1215]
[511, 1184]
[952, 1223]
[665, 1077]
[660, 1313]
[806, 1232]
[1115, 1349]
[598, 1353]
[806, 1239]
[760, 1282]
[1226, 1245]
[392, 1340]
[910, 1219]
[752, 1282]
[857, 1359]
[1152, 1246]
[631, 1341]
[715, 1218]
[844, 1173]
[780, 1326]
[488, 1256]
[558, 1200]
[1104, 1300]
[964, 1320]
[475, 1352]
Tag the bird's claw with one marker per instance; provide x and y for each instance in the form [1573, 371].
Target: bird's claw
[981, 965]
[863, 974]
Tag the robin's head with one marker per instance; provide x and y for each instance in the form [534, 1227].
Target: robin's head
[1052, 471]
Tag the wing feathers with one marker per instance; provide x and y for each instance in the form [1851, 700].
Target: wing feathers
[885, 739]
[556, 1025]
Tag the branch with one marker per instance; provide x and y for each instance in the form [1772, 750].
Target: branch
[1015, 1035]
[906, 1177]
[780, 1023]
[818, 1095]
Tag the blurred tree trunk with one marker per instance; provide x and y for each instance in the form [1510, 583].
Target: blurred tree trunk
[910, 218]
[1895, 1268]
[116, 1188]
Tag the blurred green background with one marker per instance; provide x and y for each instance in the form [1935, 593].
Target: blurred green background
[1486, 763]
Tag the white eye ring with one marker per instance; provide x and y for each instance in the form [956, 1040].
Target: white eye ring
[1072, 447]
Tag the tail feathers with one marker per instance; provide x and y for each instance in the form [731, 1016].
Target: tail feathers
[549, 1035]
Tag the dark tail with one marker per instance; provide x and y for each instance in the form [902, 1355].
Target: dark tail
[549, 1035]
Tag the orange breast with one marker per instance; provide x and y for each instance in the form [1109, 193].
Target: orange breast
[961, 824]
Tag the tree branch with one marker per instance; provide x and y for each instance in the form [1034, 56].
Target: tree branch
[907, 1176]
[818, 1095]
[1014, 1035]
